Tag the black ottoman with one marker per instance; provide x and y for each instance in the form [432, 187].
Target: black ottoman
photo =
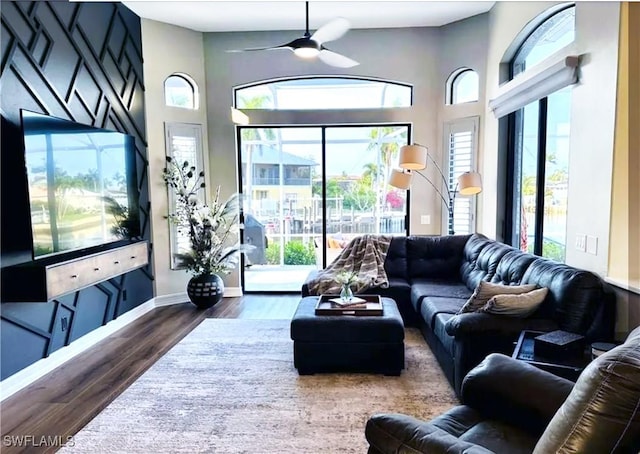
[347, 343]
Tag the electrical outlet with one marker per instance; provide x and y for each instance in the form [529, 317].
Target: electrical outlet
[581, 243]
[425, 219]
[592, 245]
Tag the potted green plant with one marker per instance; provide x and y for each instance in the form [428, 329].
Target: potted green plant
[211, 228]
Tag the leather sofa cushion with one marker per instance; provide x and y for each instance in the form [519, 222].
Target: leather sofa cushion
[439, 324]
[399, 290]
[396, 433]
[463, 419]
[574, 297]
[602, 412]
[395, 263]
[470, 274]
[422, 288]
[468, 424]
[435, 257]
[499, 437]
[512, 267]
[434, 305]
[443, 288]
[490, 257]
[458, 420]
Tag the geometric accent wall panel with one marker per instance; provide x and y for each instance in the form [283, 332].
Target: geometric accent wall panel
[81, 62]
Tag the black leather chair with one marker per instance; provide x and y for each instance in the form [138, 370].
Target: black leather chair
[513, 407]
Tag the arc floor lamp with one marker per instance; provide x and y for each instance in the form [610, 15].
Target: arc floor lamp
[414, 158]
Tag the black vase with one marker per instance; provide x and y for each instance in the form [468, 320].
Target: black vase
[205, 291]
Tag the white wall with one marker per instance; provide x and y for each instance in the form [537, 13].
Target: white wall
[592, 121]
[463, 44]
[168, 49]
[423, 57]
[405, 55]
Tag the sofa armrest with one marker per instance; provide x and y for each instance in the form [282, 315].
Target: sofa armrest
[515, 391]
[393, 433]
[480, 322]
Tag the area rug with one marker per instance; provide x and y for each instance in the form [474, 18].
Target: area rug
[230, 387]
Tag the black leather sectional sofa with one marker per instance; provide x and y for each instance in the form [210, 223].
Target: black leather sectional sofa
[431, 277]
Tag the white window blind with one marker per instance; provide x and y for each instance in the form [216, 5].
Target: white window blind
[533, 85]
[183, 143]
[461, 141]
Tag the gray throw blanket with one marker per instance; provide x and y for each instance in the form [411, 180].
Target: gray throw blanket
[364, 255]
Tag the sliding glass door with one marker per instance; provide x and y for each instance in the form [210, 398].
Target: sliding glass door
[309, 190]
[359, 200]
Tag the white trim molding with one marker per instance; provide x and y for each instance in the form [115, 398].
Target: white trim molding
[526, 89]
[173, 298]
[232, 292]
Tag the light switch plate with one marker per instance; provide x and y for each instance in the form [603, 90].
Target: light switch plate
[581, 242]
[592, 245]
[425, 219]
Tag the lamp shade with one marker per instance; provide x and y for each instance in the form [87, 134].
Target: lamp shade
[413, 157]
[400, 179]
[470, 183]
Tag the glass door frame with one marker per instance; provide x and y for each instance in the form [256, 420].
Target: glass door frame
[323, 128]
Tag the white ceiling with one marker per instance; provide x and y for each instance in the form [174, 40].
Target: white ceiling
[224, 16]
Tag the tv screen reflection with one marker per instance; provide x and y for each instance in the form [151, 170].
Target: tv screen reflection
[82, 184]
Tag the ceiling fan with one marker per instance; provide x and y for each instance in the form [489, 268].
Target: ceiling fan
[311, 46]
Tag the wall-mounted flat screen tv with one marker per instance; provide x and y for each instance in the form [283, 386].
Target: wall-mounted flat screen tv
[82, 184]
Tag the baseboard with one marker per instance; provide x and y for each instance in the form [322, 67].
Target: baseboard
[29, 374]
[173, 298]
[232, 292]
[179, 298]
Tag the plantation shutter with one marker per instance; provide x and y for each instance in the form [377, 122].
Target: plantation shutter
[461, 139]
[183, 142]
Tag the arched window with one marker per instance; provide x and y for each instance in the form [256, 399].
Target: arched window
[550, 36]
[540, 130]
[181, 90]
[463, 85]
[318, 93]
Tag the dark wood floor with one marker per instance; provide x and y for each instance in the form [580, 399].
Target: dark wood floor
[65, 400]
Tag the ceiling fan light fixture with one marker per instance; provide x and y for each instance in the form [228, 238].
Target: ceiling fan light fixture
[310, 51]
[311, 46]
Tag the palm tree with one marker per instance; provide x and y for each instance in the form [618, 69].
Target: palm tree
[373, 172]
[252, 138]
[386, 141]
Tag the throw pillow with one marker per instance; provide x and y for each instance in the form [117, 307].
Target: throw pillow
[486, 290]
[520, 306]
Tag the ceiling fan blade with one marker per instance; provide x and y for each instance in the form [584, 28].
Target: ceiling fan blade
[331, 30]
[334, 59]
[251, 49]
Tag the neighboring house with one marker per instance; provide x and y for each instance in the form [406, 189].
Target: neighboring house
[274, 173]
